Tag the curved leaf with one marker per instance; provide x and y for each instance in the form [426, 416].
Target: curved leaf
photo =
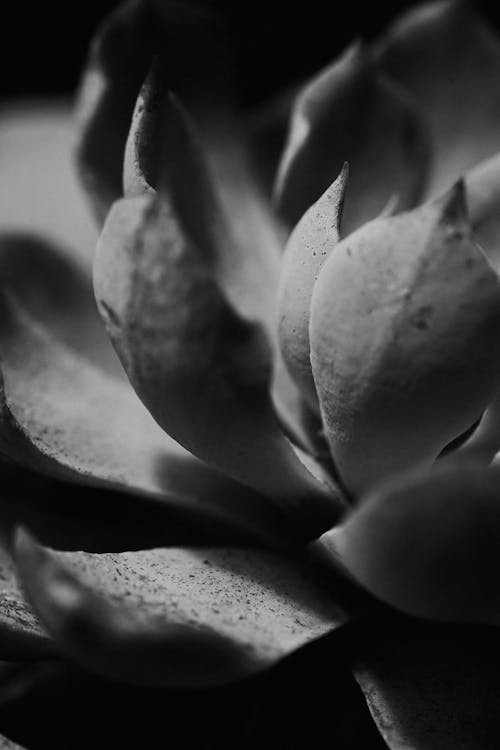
[431, 688]
[120, 57]
[448, 58]
[308, 247]
[64, 417]
[56, 291]
[21, 636]
[201, 368]
[404, 327]
[39, 194]
[165, 153]
[349, 112]
[174, 616]
[427, 545]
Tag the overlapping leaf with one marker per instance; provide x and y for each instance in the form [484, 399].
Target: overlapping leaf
[350, 112]
[175, 616]
[392, 353]
[448, 58]
[427, 545]
[184, 315]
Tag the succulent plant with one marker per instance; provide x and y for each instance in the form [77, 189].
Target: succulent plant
[272, 503]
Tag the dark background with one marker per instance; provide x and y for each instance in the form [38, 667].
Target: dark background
[43, 44]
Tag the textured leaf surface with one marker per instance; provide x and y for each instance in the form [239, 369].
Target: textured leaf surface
[21, 636]
[348, 112]
[175, 616]
[308, 247]
[66, 418]
[200, 367]
[427, 545]
[445, 55]
[404, 326]
[431, 688]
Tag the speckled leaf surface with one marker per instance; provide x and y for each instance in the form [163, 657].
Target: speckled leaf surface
[349, 112]
[176, 616]
[307, 249]
[201, 368]
[431, 688]
[65, 417]
[444, 54]
[21, 636]
[391, 351]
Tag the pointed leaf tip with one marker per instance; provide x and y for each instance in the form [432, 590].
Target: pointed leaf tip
[308, 247]
[391, 361]
[349, 111]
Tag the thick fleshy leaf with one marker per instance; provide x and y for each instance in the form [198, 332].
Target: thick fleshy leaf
[448, 58]
[427, 545]
[429, 687]
[64, 417]
[404, 326]
[56, 291]
[201, 368]
[165, 152]
[349, 112]
[187, 39]
[175, 617]
[21, 636]
[39, 194]
[308, 247]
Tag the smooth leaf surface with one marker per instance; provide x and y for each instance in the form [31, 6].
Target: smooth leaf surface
[427, 544]
[175, 616]
[307, 249]
[431, 688]
[39, 194]
[66, 418]
[404, 326]
[447, 57]
[348, 112]
[201, 368]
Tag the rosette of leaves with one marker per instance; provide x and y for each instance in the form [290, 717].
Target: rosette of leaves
[249, 494]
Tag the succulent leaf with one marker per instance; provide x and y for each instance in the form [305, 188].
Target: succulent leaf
[200, 367]
[308, 247]
[445, 55]
[64, 417]
[427, 544]
[119, 60]
[350, 112]
[404, 326]
[175, 617]
[165, 153]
